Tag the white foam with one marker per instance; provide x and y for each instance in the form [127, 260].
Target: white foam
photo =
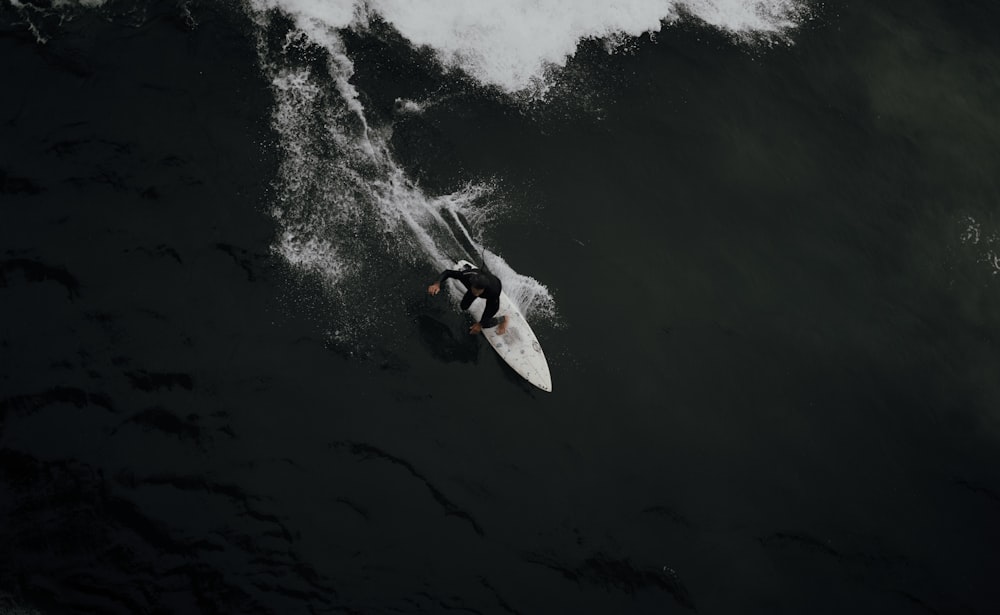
[319, 21]
[514, 43]
[528, 294]
[744, 17]
[405, 106]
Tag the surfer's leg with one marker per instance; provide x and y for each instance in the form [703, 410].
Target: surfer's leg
[500, 323]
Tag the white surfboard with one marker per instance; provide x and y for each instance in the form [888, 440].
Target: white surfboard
[518, 346]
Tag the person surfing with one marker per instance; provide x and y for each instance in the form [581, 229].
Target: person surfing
[479, 284]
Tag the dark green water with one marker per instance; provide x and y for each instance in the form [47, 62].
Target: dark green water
[774, 360]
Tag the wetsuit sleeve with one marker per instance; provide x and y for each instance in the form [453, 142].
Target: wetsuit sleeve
[449, 273]
[492, 307]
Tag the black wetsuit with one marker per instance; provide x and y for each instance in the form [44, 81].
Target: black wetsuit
[491, 293]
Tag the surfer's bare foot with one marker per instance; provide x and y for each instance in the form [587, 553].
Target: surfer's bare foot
[502, 327]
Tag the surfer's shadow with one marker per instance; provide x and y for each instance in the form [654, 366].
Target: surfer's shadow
[446, 343]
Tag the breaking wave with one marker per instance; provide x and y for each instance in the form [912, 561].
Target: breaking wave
[514, 44]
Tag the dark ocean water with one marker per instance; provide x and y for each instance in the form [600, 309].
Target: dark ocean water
[768, 278]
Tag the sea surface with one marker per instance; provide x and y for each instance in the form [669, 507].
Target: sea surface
[759, 241]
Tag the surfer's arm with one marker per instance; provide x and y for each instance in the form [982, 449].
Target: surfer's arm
[492, 307]
[435, 288]
[449, 273]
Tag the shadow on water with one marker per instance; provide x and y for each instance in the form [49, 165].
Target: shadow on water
[445, 343]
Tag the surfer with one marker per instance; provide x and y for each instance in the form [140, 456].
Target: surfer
[479, 285]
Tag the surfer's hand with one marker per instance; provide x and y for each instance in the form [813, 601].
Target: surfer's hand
[476, 328]
[434, 288]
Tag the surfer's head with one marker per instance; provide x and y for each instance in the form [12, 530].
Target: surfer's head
[477, 284]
